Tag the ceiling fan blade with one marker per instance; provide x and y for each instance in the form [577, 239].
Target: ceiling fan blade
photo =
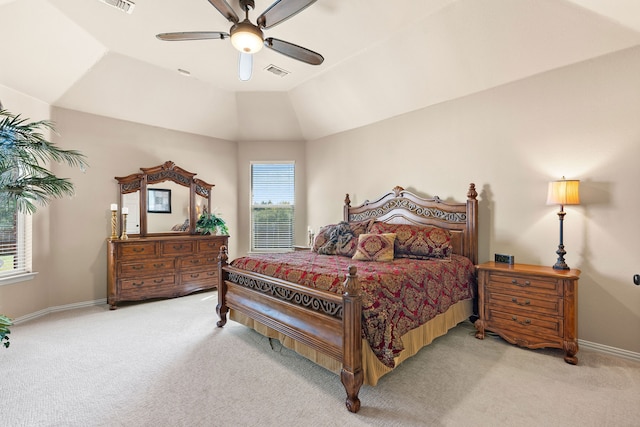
[282, 10]
[193, 35]
[226, 10]
[294, 51]
[245, 66]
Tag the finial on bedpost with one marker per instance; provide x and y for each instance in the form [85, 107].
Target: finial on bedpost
[472, 194]
[397, 190]
[347, 201]
[351, 285]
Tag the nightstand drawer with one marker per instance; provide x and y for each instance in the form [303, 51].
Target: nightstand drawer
[549, 305]
[533, 284]
[527, 323]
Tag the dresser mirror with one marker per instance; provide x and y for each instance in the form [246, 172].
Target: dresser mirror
[177, 199]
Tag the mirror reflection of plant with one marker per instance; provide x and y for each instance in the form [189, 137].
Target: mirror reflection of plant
[209, 223]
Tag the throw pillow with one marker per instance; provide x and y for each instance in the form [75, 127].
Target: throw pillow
[375, 247]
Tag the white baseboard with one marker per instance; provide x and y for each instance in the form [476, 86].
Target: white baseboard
[609, 350]
[55, 309]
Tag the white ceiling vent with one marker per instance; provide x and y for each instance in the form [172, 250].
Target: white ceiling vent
[124, 5]
[276, 70]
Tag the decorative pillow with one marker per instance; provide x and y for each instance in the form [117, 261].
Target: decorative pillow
[416, 241]
[375, 247]
[340, 239]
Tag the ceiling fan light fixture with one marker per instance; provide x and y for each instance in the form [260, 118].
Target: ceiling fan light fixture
[246, 37]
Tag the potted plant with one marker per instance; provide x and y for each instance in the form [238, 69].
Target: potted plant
[5, 322]
[24, 181]
[209, 223]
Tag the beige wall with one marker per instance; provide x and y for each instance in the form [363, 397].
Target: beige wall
[579, 121]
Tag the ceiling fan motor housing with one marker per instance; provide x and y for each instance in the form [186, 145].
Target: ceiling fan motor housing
[246, 4]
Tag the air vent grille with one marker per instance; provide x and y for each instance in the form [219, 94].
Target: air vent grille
[276, 70]
[124, 5]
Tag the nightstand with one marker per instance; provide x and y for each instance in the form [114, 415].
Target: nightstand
[529, 305]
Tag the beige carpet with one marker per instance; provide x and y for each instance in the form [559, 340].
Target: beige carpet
[164, 363]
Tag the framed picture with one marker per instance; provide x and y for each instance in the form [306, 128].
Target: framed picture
[158, 200]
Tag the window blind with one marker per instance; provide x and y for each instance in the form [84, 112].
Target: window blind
[15, 241]
[272, 206]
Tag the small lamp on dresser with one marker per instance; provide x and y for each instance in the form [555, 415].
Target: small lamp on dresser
[563, 192]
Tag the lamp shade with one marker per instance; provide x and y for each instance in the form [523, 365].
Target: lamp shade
[564, 192]
[246, 37]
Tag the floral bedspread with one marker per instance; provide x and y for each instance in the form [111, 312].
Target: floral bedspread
[397, 296]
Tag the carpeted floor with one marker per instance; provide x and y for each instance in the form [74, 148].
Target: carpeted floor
[164, 363]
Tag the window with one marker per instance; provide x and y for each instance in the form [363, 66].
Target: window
[272, 206]
[15, 243]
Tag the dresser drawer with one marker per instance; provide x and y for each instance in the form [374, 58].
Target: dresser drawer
[181, 247]
[147, 283]
[525, 323]
[532, 284]
[146, 267]
[137, 250]
[200, 277]
[212, 245]
[516, 301]
[199, 262]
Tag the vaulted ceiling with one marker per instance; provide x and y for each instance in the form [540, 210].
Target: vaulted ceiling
[382, 58]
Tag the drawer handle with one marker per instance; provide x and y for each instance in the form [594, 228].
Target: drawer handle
[211, 273]
[158, 280]
[159, 265]
[525, 322]
[195, 261]
[522, 285]
[195, 275]
[138, 250]
[526, 302]
[178, 247]
[138, 284]
[211, 259]
[137, 267]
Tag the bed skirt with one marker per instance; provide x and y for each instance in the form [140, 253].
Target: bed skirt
[373, 369]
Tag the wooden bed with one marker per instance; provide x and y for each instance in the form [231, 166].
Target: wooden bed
[331, 323]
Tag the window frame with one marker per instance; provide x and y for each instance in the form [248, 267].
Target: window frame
[253, 247]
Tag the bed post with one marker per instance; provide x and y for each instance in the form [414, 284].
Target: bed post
[351, 373]
[472, 223]
[222, 308]
[345, 209]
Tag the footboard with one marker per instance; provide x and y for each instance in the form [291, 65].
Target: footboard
[326, 322]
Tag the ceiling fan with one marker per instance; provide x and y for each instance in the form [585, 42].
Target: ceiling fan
[248, 38]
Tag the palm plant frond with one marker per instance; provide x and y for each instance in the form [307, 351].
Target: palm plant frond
[23, 150]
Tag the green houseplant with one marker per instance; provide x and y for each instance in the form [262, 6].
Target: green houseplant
[211, 224]
[24, 180]
[5, 322]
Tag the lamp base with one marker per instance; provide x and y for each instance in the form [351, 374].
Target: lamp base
[560, 264]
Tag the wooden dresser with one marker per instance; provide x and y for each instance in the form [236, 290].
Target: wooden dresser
[529, 305]
[161, 266]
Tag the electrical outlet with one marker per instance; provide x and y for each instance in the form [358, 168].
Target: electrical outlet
[505, 259]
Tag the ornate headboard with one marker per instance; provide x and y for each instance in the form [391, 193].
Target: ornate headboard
[403, 207]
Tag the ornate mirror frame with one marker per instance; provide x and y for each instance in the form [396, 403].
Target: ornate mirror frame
[168, 171]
